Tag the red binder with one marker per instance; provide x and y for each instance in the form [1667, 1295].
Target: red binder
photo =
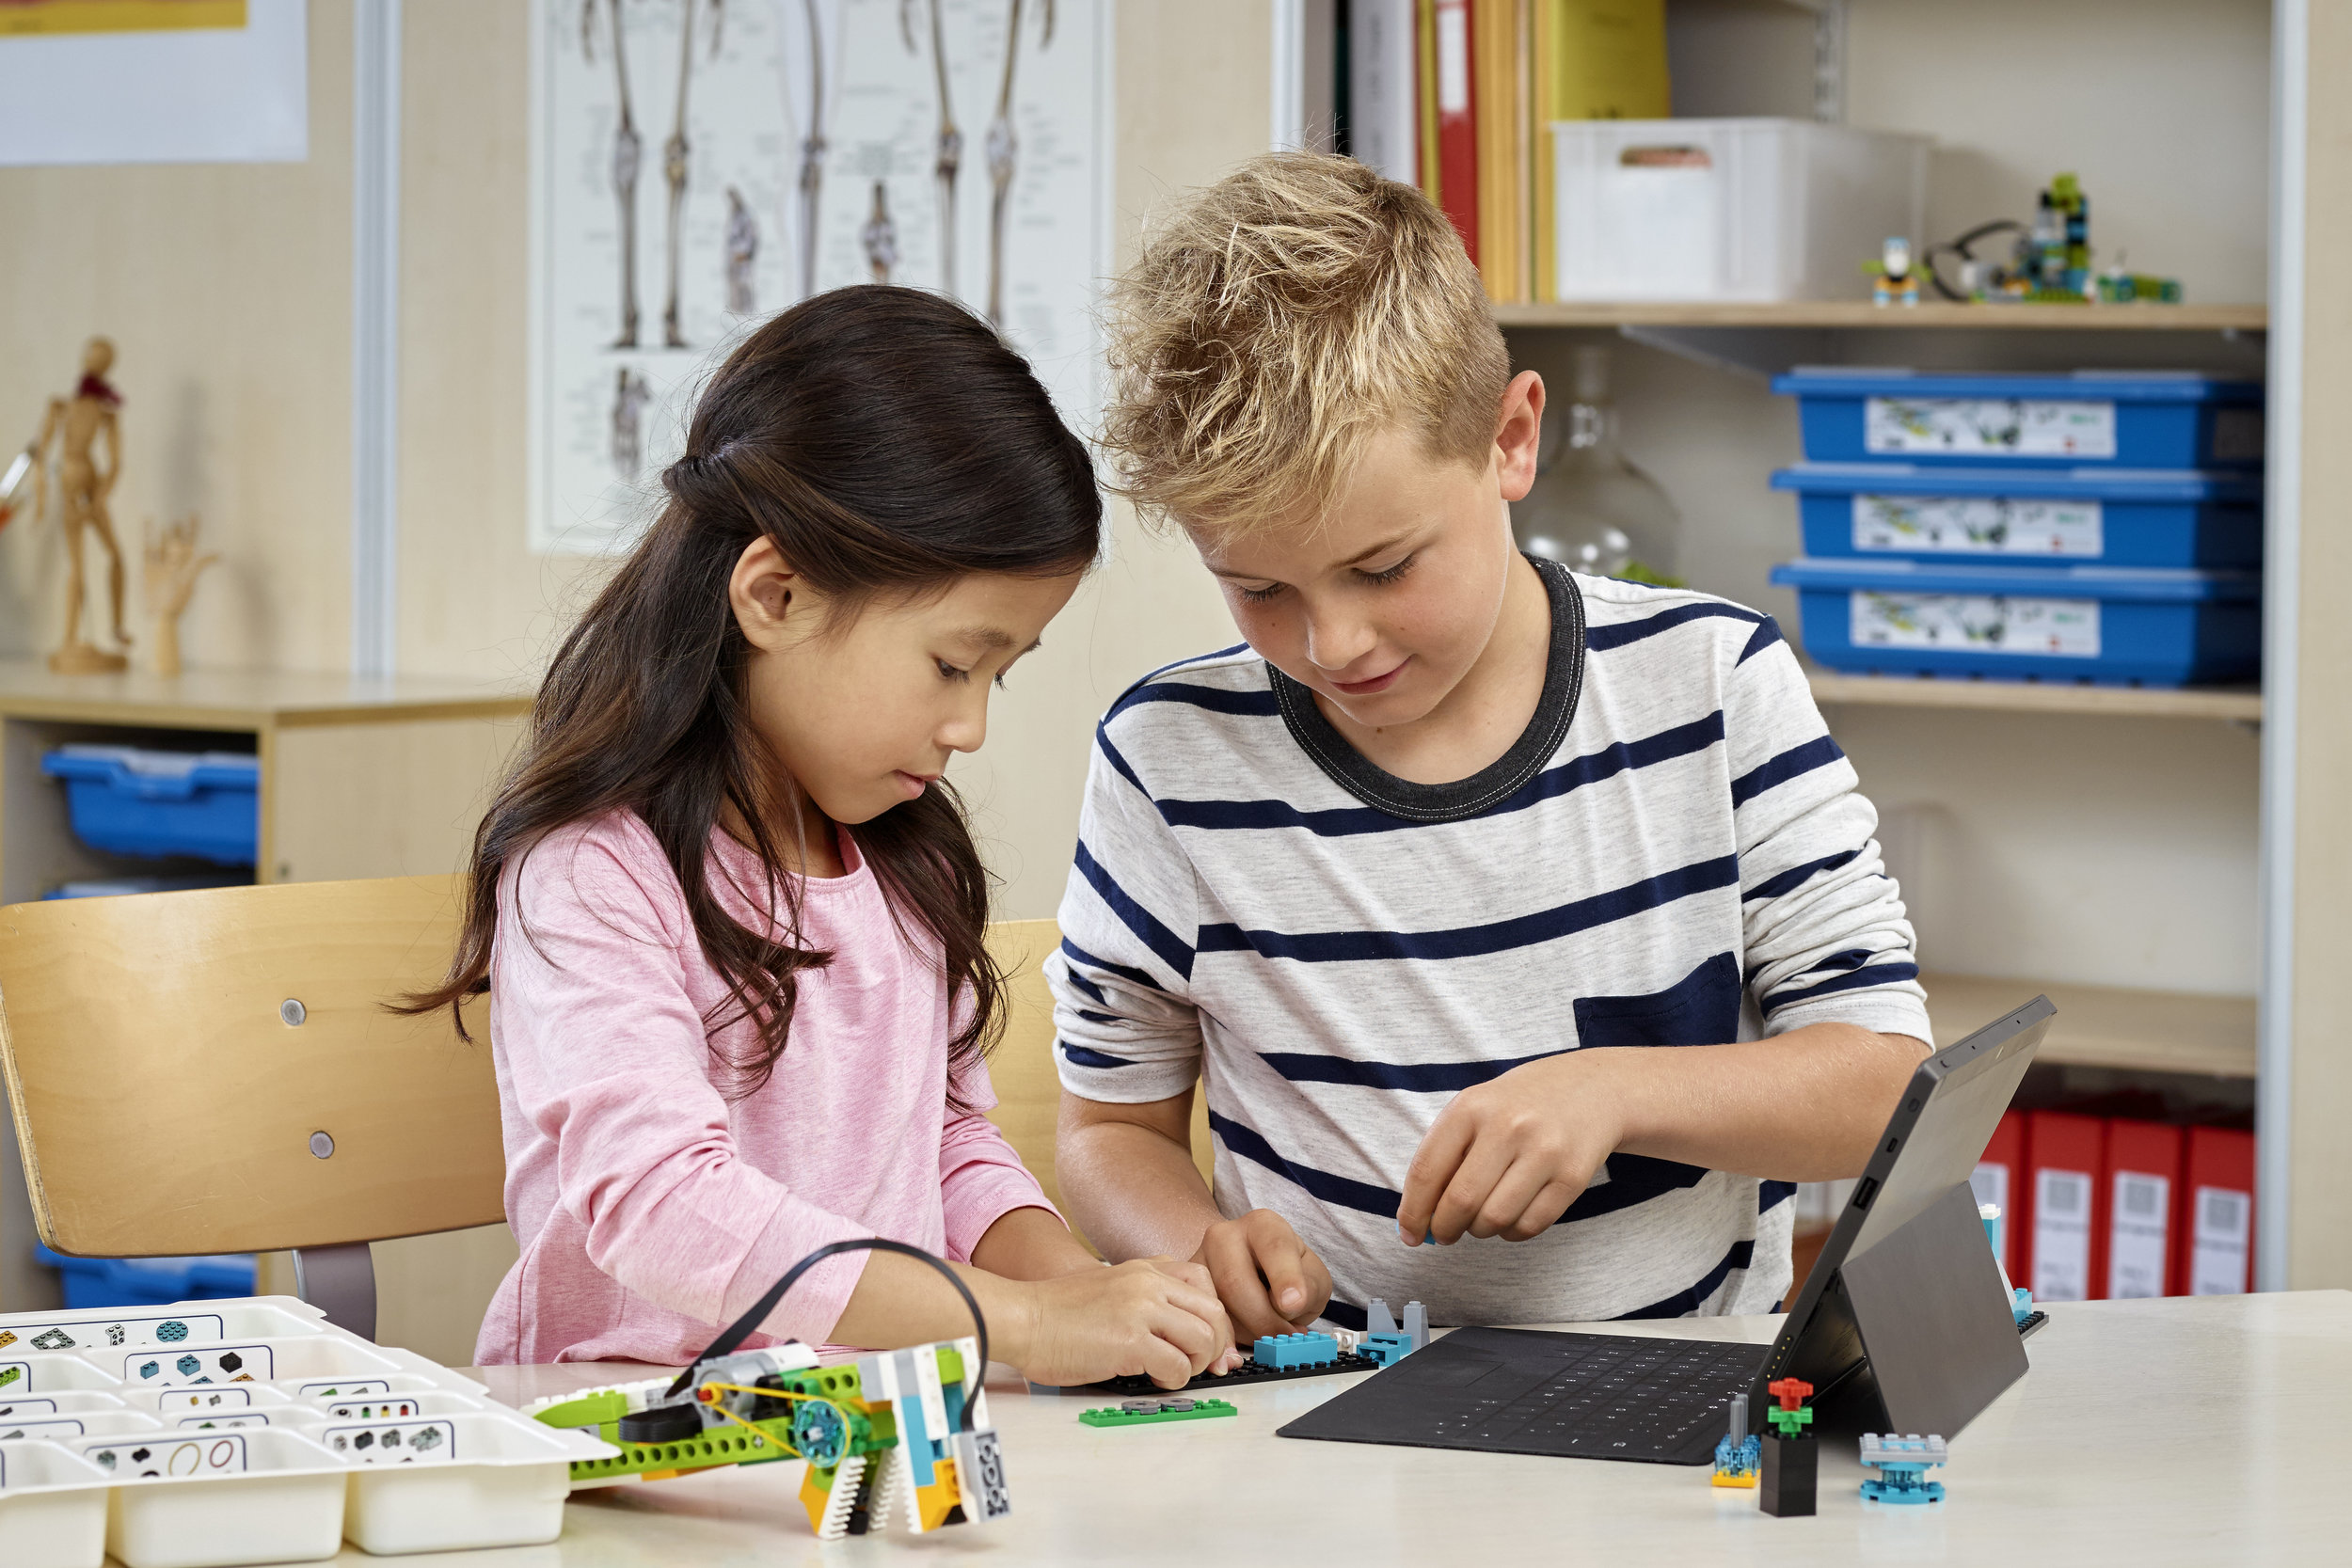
[2065, 1170]
[1457, 120]
[2000, 1180]
[2217, 1214]
[2143, 1184]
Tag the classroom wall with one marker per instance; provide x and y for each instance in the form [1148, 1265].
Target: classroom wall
[227, 289]
[2319, 1241]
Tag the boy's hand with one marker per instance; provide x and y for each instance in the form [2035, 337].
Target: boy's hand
[1156, 1316]
[1508, 1157]
[1271, 1282]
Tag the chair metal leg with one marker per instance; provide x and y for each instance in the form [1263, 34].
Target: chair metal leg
[341, 1281]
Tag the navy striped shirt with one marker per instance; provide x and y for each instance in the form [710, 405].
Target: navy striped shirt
[1674, 854]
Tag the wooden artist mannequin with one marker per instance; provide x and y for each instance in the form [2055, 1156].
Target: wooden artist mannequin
[76, 423]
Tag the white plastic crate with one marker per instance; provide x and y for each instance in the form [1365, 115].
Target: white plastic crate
[220, 1499]
[457, 1482]
[1729, 209]
[53, 1508]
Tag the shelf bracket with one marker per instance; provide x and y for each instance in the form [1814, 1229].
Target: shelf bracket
[1759, 352]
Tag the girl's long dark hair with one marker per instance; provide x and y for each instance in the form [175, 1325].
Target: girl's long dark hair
[887, 442]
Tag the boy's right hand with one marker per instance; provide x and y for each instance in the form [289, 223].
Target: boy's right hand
[1271, 1282]
[1156, 1316]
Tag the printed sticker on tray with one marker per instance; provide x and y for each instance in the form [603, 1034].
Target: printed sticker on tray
[1989, 427]
[210, 1364]
[1975, 623]
[224, 1423]
[114, 1333]
[1978, 525]
[51, 1427]
[407, 1443]
[18, 1409]
[382, 1408]
[204, 1399]
[168, 1458]
[328, 1387]
[15, 1374]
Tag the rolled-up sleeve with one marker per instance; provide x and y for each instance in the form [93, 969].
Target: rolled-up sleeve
[1826, 934]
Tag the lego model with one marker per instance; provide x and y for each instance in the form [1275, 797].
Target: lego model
[1739, 1456]
[1897, 282]
[1285, 1351]
[1903, 1465]
[1153, 1411]
[2049, 262]
[905, 1428]
[1789, 1472]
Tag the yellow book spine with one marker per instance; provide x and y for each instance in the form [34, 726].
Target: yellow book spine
[1537, 74]
[1493, 30]
[1425, 94]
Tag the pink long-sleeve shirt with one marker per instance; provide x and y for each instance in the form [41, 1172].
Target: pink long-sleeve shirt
[651, 1210]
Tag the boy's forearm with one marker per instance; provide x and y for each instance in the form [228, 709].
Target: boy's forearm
[1805, 1106]
[1032, 1243]
[1132, 1189]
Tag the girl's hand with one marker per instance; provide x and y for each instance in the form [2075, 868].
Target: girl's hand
[1156, 1316]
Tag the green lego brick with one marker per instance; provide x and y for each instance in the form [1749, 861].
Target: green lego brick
[1110, 1415]
[728, 1445]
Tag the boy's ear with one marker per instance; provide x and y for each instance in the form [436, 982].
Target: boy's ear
[1520, 433]
[762, 590]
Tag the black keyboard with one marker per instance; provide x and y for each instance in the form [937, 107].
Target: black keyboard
[1504, 1390]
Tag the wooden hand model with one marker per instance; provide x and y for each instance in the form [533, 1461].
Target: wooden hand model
[171, 568]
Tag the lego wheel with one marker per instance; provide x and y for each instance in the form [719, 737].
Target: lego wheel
[819, 1433]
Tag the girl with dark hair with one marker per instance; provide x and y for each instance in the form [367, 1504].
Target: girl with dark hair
[729, 913]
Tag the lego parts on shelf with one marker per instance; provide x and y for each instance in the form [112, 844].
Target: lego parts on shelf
[888, 1431]
[1903, 1463]
[1153, 1411]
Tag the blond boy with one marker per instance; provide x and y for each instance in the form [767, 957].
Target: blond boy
[1421, 881]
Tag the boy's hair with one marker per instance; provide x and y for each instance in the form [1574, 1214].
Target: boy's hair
[1276, 321]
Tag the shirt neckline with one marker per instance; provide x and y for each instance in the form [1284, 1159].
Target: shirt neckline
[1564, 681]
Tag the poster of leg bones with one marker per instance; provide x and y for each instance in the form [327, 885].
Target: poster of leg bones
[699, 165]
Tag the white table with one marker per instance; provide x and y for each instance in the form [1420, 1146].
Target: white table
[2182, 1431]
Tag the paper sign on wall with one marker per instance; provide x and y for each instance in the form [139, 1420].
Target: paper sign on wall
[153, 82]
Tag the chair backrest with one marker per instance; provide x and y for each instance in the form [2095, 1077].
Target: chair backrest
[1029, 1088]
[213, 1071]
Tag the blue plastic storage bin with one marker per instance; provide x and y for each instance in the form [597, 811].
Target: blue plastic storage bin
[97, 1282]
[2175, 517]
[2128, 420]
[2108, 625]
[205, 804]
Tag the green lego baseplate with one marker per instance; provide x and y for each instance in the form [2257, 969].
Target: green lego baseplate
[1188, 1410]
[759, 1438]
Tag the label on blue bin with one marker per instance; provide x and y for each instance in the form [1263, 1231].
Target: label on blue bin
[1978, 525]
[1989, 427]
[1977, 623]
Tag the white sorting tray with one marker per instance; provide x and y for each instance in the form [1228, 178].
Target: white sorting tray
[69, 1402]
[52, 1372]
[53, 1507]
[231, 1363]
[459, 1482]
[182, 1322]
[220, 1499]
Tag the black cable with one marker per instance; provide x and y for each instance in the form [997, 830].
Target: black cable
[745, 1326]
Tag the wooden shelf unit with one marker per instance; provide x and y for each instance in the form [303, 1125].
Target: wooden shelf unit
[1816, 314]
[2241, 705]
[2107, 1026]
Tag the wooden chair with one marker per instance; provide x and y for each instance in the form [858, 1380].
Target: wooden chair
[1029, 1088]
[212, 1071]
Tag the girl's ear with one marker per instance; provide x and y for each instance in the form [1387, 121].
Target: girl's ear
[761, 591]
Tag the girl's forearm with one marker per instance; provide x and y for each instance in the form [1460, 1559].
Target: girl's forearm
[1032, 1243]
[902, 1301]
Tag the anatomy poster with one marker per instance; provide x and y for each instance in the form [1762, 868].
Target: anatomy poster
[699, 165]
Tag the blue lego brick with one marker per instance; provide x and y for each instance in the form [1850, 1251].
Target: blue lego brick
[1902, 1492]
[1281, 1351]
[1387, 1348]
